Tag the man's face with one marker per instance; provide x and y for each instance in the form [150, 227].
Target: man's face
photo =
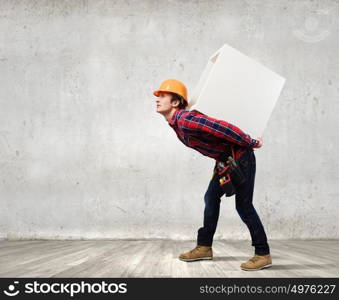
[163, 102]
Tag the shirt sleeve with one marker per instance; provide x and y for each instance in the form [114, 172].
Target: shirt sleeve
[197, 123]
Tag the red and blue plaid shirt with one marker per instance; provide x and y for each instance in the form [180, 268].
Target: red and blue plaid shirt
[210, 136]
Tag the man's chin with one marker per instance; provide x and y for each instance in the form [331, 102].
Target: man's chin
[161, 111]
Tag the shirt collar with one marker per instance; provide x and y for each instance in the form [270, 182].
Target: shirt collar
[172, 120]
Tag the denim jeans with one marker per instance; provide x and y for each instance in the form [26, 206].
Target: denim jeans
[243, 203]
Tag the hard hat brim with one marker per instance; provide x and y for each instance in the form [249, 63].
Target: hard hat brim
[156, 93]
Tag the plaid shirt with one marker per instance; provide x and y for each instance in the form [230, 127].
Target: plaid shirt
[210, 136]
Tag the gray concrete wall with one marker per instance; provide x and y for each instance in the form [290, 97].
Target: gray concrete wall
[83, 153]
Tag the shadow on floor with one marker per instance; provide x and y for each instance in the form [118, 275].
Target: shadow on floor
[232, 258]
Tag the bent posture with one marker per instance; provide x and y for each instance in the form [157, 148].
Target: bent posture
[213, 138]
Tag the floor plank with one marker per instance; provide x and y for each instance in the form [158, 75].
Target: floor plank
[159, 258]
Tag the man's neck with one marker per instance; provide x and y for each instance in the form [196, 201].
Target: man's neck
[170, 114]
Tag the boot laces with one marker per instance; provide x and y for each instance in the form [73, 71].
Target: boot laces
[196, 248]
[254, 258]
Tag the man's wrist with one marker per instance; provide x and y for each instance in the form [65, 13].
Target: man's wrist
[256, 143]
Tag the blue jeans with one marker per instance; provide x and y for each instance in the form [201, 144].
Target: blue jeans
[244, 207]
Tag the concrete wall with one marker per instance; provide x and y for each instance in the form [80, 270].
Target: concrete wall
[83, 153]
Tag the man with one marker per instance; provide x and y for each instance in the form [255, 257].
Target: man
[213, 138]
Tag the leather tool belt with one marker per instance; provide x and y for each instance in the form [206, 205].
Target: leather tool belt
[230, 174]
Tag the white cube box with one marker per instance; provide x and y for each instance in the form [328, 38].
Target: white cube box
[238, 89]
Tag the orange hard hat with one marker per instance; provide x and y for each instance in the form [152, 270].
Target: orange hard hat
[173, 86]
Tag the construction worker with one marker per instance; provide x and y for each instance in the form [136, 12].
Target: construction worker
[213, 138]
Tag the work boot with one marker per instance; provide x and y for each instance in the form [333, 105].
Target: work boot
[257, 262]
[199, 252]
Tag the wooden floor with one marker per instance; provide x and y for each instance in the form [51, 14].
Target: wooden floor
[159, 258]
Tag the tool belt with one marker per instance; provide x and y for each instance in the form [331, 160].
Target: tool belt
[230, 174]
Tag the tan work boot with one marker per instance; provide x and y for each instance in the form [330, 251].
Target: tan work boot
[199, 252]
[257, 262]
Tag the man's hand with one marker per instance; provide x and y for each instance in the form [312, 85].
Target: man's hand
[260, 143]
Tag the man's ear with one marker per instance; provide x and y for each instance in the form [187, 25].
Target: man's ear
[174, 102]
